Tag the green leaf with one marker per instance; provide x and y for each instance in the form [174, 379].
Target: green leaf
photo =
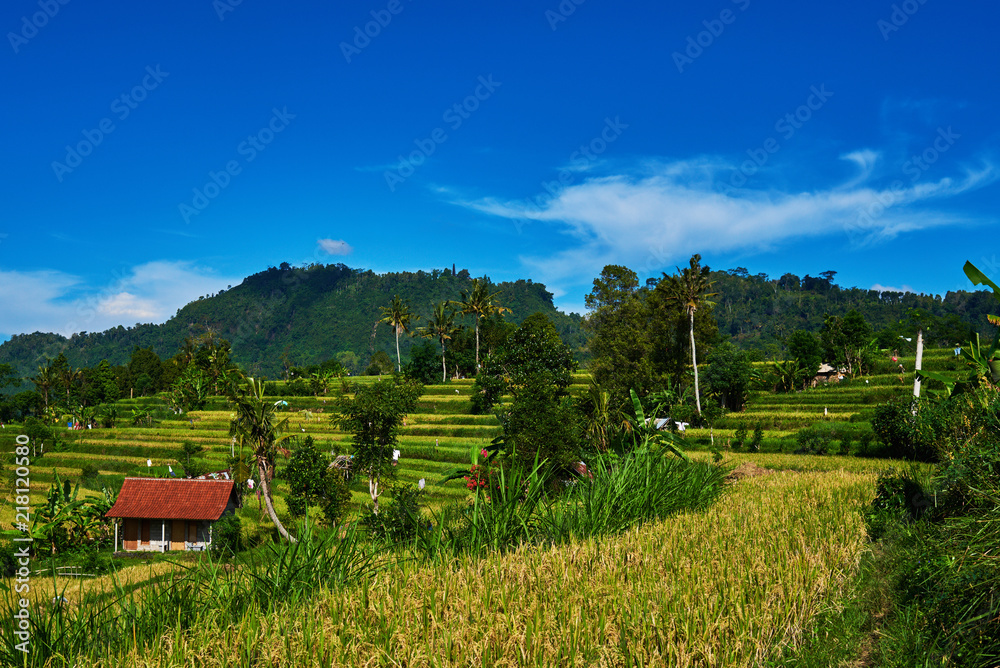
[640, 415]
[948, 381]
[979, 278]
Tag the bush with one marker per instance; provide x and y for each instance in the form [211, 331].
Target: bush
[8, 563]
[740, 437]
[486, 392]
[96, 562]
[398, 520]
[226, 535]
[757, 439]
[88, 474]
[812, 442]
[899, 498]
[919, 429]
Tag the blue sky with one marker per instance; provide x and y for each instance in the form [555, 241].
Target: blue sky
[153, 154]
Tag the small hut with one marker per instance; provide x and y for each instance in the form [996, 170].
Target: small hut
[826, 374]
[161, 514]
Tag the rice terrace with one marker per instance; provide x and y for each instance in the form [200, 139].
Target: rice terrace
[794, 513]
[557, 333]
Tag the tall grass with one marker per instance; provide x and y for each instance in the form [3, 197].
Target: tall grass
[129, 618]
[637, 488]
[729, 586]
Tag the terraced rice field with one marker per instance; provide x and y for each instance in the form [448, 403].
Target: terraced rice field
[439, 436]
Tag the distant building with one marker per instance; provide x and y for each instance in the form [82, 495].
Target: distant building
[161, 514]
[826, 374]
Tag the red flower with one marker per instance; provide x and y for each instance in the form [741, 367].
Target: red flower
[484, 453]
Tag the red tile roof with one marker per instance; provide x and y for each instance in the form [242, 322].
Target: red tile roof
[172, 499]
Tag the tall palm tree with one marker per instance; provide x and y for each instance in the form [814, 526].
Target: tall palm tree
[440, 326]
[255, 424]
[68, 377]
[398, 316]
[44, 383]
[689, 288]
[478, 302]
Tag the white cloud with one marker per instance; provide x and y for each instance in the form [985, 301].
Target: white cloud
[53, 301]
[675, 209]
[889, 288]
[335, 246]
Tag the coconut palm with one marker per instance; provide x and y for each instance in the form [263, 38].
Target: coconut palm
[398, 316]
[255, 424]
[44, 382]
[690, 289]
[478, 302]
[440, 326]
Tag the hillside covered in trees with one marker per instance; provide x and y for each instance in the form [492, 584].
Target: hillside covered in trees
[286, 316]
[759, 312]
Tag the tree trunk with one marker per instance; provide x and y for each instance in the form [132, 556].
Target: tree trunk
[694, 363]
[920, 359]
[374, 493]
[444, 368]
[265, 490]
[477, 344]
[399, 364]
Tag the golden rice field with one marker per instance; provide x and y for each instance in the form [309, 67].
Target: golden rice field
[730, 586]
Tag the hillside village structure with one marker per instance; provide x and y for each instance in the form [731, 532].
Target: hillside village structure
[170, 514]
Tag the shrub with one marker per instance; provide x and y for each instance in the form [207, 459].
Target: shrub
[812, 442]
[89, 473]
[226, 535]
[845, 445]
[740, 437]
[398, 520]
[757, 439]
[864, 443]
[96, 562]
[899, 498]
[486, 392]
[918, 429]
[8, 563]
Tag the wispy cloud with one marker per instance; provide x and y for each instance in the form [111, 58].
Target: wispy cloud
[673, 209]
[54, 301]
[335, 246]
[889, 288]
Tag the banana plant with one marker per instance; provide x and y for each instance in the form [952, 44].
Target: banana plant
[985, 361]
[644, 431]
[982, 359]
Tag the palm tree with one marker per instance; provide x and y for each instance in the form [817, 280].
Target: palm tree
[478, 302]
[690, 289]
[44, 382]
[398, 316]
[440, 326]
[255, 424]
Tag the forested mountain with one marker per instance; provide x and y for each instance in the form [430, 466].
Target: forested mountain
[292, 315]
[300, 316]
[756, 311]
